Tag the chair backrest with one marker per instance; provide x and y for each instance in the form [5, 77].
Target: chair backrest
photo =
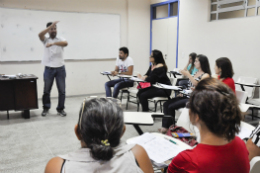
[255, 165]
[241, 96]
[251, 80]
[184, 121]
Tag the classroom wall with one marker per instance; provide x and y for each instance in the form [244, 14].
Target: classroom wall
[83, 77]
[236, 39]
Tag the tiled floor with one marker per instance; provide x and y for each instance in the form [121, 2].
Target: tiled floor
[26, 145]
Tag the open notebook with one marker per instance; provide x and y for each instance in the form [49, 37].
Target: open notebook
[158, 149]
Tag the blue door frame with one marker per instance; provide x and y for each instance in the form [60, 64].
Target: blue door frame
[151, 23]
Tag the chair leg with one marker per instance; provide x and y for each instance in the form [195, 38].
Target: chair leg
[155, 106]
[161, 106]
[252, 113]
[121, 96]
[127, 101]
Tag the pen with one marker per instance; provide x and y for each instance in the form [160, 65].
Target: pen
[170, 140]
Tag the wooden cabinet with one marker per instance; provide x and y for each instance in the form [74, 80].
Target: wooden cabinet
[19, 94]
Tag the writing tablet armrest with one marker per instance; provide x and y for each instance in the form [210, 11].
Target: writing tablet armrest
[161, 116]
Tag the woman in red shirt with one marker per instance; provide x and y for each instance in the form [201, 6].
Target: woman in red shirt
[214, 110]
[224, 70]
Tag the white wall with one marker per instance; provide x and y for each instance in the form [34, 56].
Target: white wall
[157, 1]
[83, 77]
[237, 39]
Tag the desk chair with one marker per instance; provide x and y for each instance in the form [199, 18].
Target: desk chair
[250, 90]
[157, 100]
[184, 121]
[255, 165]
[242, 96]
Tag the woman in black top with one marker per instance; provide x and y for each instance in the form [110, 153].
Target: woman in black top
[157, 72]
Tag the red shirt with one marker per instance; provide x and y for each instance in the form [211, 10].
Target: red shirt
[229, 82]
[229, 158]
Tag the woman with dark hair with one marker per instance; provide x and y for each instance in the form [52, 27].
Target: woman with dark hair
[157, 72]
[191, 66]
[169, 107]
[99, 129]
[224, 70]
[214, 109]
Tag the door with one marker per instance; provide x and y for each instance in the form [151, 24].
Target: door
[164, 38]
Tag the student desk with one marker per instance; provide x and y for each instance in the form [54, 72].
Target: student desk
[138, 118]
[246, 84]
[19, 94]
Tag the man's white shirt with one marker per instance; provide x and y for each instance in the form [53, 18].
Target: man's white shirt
[123, 65]
[53, 55]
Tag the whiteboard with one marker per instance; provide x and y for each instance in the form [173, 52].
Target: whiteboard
[89, 35]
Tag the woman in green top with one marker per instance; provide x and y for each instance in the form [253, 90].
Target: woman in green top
[189, 67]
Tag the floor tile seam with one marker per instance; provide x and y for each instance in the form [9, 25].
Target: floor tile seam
[42, 139]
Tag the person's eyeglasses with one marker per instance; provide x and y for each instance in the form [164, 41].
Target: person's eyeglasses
[117, 101]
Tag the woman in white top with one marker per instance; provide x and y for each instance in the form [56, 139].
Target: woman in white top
[99, 129]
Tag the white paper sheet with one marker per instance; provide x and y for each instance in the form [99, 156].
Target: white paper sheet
[244, 133]
[157, 148]
[106, 72]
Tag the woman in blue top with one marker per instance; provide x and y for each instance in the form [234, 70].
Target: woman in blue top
[189, 67]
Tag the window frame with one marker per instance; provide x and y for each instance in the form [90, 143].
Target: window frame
[245, 7]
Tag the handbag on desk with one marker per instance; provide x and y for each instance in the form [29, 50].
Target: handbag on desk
[143, 85]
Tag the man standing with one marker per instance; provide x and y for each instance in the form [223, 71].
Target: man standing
[54, 67]
[124, 66]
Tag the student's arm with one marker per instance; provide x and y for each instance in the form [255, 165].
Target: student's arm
[142, 159]
[54, 165]
[60, 43]
[253, 149]
[129, 70]
[115, 72]
[42, 34]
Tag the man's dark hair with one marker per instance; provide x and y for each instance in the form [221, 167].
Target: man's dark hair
[226, 67]
[204, 64]
[125, 50]
[48, 24]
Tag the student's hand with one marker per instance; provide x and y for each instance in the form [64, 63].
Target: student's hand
[139, 76]
[54, 23]
[180, 95]
[184, 72]
[49, 44]
[114, 73]
[192, 88]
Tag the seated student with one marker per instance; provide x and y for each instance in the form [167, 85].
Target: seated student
[157, 72]
[214, 109]
[124, 66]
[224, 70]
[189, 67]
[99, 129]
[169, 107]
[253, 144]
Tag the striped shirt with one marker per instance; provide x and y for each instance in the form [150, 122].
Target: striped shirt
[255, 136]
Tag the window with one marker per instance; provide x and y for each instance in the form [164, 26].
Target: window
[227, 9]
[165, 10]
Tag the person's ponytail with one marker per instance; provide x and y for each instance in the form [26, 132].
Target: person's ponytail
[101, 152]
